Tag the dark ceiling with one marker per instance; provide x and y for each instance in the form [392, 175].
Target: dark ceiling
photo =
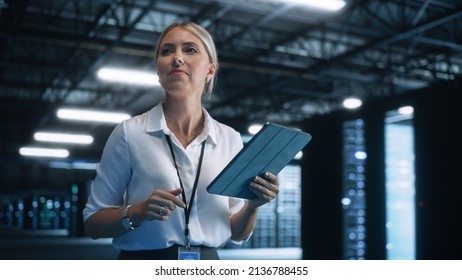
[279, 62]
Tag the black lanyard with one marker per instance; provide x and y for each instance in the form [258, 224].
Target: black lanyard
[187, 210]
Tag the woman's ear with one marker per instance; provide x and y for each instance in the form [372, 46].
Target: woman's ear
[212, 70]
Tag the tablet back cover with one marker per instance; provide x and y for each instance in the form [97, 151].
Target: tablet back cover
[270, 150]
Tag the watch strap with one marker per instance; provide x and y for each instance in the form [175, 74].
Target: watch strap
[125, 217]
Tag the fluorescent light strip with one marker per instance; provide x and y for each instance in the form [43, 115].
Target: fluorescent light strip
[63, 138]
[328, 5]
[43, 152]
[128, 76]
[92, 116]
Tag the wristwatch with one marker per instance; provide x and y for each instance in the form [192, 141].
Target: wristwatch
[126, 222]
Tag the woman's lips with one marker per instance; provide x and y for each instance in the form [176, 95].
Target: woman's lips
[176, 72]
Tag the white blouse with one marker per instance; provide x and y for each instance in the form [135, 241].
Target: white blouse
[137, 160]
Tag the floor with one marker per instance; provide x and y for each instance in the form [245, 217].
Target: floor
[58, 247]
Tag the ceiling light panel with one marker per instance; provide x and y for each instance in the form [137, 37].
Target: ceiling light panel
[327, 5]
[63, 138]
[126, 76]
[43, 152]
[92, 115]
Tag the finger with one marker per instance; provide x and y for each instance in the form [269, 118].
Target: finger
[259, 189]
[168, 198]
[164, 211]
[157, 203]
[158, 212]
[175, 199]
[266, 184]
[176, 192]
[262, 191]
[271, 177]
[256, 189]
[262, 198]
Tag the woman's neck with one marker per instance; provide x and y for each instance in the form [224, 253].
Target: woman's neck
[184, 118]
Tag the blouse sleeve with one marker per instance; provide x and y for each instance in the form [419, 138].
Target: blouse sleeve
[112, 174]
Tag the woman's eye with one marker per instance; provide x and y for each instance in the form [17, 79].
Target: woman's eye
[191, 50]
[164, 52]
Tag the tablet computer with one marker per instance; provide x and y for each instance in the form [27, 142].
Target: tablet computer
[270, 150]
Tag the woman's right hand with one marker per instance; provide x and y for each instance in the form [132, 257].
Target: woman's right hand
[159, 206]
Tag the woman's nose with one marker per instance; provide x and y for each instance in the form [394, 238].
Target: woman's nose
[177, 60]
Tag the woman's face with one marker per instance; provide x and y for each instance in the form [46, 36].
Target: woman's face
[183, 63]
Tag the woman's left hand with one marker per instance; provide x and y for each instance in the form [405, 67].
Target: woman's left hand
[265, 188]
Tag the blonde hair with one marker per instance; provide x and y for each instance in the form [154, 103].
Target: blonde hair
[207, 41]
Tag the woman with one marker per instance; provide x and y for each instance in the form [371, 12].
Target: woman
[149, 193]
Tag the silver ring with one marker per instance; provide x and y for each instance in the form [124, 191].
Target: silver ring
[161, 212]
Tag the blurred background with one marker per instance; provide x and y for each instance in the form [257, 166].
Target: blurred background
[376, 83]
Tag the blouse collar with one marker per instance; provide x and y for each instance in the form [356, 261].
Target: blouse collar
[156, 122]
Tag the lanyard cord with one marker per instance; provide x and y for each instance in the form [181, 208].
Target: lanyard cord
[187, 210]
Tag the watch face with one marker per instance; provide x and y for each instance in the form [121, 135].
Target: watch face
[126, 223]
